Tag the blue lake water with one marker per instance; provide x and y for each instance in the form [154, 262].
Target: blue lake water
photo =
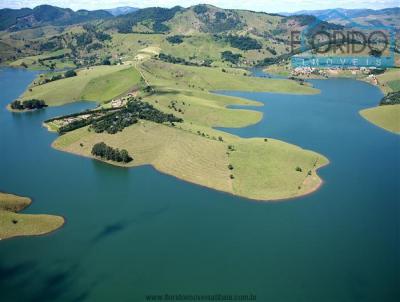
[136, 232]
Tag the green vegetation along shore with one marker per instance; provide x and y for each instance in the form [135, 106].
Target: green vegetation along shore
[193, 150]
[99, 83]
[387, 115]
[13, 224]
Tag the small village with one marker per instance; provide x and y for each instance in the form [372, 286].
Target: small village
[332, 72]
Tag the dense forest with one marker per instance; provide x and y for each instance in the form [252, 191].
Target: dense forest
[28, 104]
[134, 111]
[109, 153]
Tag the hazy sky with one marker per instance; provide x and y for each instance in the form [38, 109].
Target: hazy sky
[258, 5]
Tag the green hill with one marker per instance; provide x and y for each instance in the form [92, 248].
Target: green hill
[17, 19]
[199, 35]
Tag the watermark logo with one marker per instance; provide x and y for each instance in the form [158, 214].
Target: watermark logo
[349, 45]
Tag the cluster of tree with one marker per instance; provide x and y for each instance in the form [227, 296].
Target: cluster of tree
[70, 73]
[176, 60]
[55, 77]
[240, 42]
[220, 16]
[106, 61]
[55, 57]
[28, 104]
[177, 39]
[79, 123]
[94, 46]
[200, 9]
[109, 153]
[91, 39]
[271, 50]
[392, 98]
[217, 22]
[173, 105]
[114, 123]
[134, 111]
[83, 39]
[102, 36]
[49, 45]
[223, 23]
[229, 56]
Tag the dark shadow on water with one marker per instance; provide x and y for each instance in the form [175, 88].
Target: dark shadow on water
[82, 297]
[32, 285]
[7, 273]
[112, 229]
[109, 230]
[59, 285]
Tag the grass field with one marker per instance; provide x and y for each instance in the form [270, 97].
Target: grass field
[206, 109]
[386, 117]
[281, 69]
[175, 77]
[261, 170]
[100, 83]
[13, 224]
[199, 46]
[389, 80]
[394, 85]
[32, 62]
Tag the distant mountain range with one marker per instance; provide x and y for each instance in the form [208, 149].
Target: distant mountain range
[17, 19]
[123, 10]
[367, 17]
[193, 35]
[195, 19]
[332, 14]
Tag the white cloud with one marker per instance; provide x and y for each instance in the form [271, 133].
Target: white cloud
[258, 5]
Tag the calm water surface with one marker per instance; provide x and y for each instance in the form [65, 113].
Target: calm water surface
[134, 232]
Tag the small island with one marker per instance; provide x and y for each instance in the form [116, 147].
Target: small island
[27, 105]
[13, 224]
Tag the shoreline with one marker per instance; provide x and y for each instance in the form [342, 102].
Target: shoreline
[21, 204]
[8, 107]
[283, 199]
